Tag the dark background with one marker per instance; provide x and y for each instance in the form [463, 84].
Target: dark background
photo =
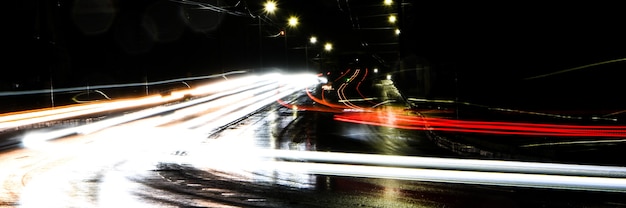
[474, 52]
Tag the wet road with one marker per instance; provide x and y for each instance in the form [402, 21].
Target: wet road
[190, 161]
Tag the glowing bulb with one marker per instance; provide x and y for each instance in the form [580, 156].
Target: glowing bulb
[293, 21]
[270, 6]
[392, 18]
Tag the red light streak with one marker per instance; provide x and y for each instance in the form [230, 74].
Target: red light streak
[396, 119]
[323, 102]
[343, 74]
[340, 94]
[484, 127]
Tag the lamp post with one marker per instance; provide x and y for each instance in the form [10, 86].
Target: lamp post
[269, 7]
[292, 22]
[312, 41]
[327, 48]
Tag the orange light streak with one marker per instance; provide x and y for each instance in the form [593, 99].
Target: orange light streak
[22, 118]
[323, 102]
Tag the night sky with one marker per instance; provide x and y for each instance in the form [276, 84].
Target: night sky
[492, 48]
[487, 48]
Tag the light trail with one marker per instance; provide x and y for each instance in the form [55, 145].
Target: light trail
[182, 125]
[485, 127]
[212, 101]
[257, 98]
[464, 171]
[501, 109]
[47, 91]
[575, 142]
[17, 119]
[358, 88]
[309, 108]
[323, 102]
[267, 84]
[447, 163]
[584, 183]
[141, 138]
[341, 94]
[576, 68]
[342, 75]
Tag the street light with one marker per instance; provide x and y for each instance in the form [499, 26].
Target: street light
[328, 47]
[392, 18]
[293, 21]
[312, 41]
[269, 7]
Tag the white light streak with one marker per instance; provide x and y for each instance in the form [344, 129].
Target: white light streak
[465, 171]
[270, 84]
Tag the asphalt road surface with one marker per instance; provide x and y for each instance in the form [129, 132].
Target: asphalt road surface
[269, 155]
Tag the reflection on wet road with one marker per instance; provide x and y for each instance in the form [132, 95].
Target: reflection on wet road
[244, 149]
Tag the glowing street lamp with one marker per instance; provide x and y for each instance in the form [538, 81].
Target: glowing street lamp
[388, 2]
[270, 7]
[293, 21]
[328, 47]
[392, 18]
[312, 41]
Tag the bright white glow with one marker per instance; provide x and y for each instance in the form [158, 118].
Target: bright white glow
[397, 31]
[270, 7]
[388, 76]
[35, 139]
[375, 70]
[466, 171]
[447, 163]
[465, 177]
[248, 98]
[293, 21]
[140, 145]
[328, 47]
[323, 80]
[388, 2]
[313, 40]
[392, 18]
[263, 97]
